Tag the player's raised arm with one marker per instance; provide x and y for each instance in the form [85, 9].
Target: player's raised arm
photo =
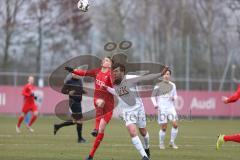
[79, 72]
[232, 98]
[147, 77]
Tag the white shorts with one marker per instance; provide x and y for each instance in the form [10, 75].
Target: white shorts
[136, 116]
[167, 115]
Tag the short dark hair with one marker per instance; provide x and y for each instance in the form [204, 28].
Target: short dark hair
[110, 59]
[121, 66]
[168, 70]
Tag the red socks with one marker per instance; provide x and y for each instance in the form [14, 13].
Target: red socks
[99, 113]
[33, 119]
[234, 138]
[97, 142]
[97, 122]
[20, 119]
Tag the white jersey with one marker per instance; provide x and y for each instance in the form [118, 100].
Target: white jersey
[127, 94]
[166, 101]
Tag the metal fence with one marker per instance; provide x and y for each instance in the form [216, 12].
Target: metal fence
[20, 78]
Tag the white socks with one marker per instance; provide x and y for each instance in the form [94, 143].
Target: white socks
[138, 145]
[174, 133]
[146, 141]
[161, 136]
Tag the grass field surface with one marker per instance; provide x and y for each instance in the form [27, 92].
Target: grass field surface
[196, 141]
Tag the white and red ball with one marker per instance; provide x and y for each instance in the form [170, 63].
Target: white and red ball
[83, 5]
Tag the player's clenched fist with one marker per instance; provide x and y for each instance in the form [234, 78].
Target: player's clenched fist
[69, 69]
[225, 99]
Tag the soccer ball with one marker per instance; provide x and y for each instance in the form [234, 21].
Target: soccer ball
[83, 5]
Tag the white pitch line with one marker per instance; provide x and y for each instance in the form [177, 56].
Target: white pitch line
[199, 137]
[115, 145]
[110, 136]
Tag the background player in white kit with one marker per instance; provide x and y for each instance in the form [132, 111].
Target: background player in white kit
[166, 111]
[125, 87]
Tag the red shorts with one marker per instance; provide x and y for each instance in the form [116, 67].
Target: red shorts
[106, 112]
[27, 108]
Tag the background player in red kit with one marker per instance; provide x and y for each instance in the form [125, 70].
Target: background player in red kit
[235, 137]
[103, 100]
[28, 105]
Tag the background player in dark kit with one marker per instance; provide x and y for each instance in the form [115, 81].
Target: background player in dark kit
[74, 88]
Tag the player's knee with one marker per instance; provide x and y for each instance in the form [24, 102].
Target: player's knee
[164, 129]
[132, 130]
[35, 113]
[101, 130]
[175, 125]
[143, 132]
[100, 103]
[133, 134]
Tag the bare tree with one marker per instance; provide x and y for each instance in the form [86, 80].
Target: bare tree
[205, 15]
[9, 16]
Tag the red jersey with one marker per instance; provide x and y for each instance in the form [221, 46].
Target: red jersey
[101, 78]
[235, 96]
[27, 93]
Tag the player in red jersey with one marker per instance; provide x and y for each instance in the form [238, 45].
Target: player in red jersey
[103, 100]
[234, 137]
[28, 105]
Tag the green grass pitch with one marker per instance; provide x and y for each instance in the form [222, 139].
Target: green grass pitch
[196, 141]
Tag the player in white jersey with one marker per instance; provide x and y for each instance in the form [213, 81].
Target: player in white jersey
[126, 89]
[166, 111]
